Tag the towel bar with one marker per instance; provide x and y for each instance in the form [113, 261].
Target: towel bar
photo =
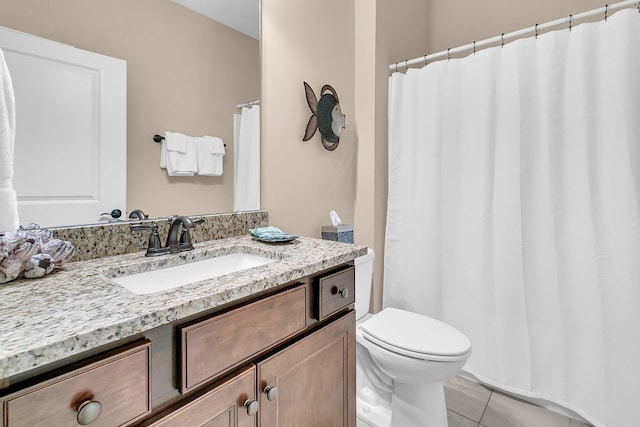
[159, 138]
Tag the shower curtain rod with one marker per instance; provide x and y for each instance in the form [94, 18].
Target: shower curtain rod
[249, 104]
[515, 34]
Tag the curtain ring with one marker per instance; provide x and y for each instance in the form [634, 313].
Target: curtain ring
[606, 11]
[502, 39]
[474, 47]
[396, 67]
[537, 31]
[570, 21]
[425, 59]
[448, 54]
[406, 64]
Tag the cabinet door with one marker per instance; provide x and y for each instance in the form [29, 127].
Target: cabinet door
[222, 406]
[314, 380]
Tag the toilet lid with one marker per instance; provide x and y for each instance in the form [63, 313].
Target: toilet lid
[414, 334]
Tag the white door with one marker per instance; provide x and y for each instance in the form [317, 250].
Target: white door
[70, 150]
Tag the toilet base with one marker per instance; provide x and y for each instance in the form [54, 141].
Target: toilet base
[418, 405]
[372, 414]
[412, 406]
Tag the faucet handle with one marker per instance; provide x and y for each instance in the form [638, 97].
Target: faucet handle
[154, 247]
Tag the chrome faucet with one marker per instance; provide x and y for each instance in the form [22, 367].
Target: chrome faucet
[184, 244]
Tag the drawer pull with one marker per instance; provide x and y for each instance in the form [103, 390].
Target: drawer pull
[271, 392]
[344, 292]
[252, 407]
[88, 412]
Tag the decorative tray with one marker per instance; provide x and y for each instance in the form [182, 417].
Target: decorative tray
[271, 235]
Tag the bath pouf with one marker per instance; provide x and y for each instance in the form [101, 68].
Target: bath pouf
[60, 251]
[33, 231]
[9, 241]
[10, 268]
[38, 265]
[4, 277]
[25, 250]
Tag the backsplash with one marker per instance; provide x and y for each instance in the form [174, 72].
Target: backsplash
[117, 238]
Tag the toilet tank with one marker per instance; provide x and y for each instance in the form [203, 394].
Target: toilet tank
[364, 273]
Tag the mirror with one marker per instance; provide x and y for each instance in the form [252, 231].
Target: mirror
[185, 73]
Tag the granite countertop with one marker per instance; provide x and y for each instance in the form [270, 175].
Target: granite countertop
[78, 308]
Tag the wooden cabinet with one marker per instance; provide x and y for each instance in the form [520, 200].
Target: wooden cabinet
[113, 391]
[309, 383]
[314, 379]
[284, 359]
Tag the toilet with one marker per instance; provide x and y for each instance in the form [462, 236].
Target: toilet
[402, 361]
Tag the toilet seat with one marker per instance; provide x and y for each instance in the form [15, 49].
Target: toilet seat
[415, 335]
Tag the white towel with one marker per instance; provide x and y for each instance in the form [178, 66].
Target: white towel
[178, 154]
[9, 219]
[210, 155]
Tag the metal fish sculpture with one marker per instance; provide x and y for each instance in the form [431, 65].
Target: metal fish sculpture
[326, 116]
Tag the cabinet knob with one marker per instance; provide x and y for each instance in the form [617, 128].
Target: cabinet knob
[271, 392]
[88, 412]
[252, 407]
[344, 292]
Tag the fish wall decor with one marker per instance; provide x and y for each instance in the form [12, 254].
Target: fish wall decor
[326, 116]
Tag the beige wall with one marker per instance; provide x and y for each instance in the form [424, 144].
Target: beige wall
[312, 41]
[456, 23]
[185, 73]
[385, 30]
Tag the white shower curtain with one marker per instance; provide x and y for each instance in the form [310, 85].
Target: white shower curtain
[513, 212]
[247, 160]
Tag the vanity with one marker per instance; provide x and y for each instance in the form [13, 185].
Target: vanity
[262, 346]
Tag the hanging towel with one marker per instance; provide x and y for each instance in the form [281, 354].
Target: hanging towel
[210, 154]
[178, 154]
[9, 219]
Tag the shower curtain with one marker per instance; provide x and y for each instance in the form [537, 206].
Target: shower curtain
[247, 160]
[513, 212]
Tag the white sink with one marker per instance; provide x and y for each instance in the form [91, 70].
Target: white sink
[165, 278]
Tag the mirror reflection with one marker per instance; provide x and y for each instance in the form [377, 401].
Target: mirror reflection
[185, 73]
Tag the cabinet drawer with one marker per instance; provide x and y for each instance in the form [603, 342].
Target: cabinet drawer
[335, 291]
[212, 346]
[120, 383]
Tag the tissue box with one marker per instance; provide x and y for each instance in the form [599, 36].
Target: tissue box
[339, 233]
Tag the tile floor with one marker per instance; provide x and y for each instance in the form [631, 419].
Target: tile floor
[470, 404]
